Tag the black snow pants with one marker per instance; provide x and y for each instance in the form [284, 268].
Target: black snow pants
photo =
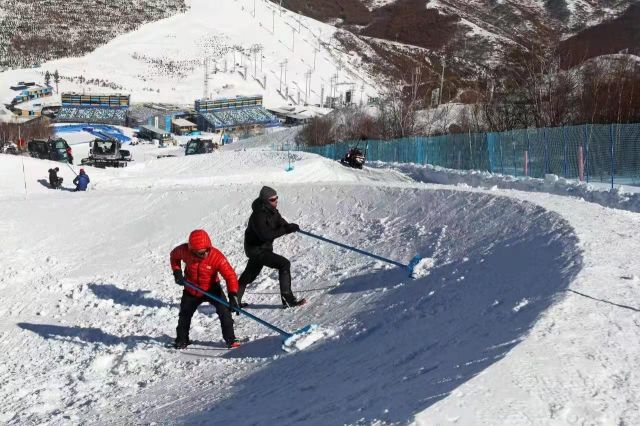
[188, 306]
[271, 260]
[55, 183]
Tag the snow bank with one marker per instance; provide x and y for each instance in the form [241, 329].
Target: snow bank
[619, 197]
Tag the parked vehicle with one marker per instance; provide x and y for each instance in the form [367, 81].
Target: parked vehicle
[107, 153]
[151, 132]
[61, 143]
[353, 158]
[51, 149]
[9, 148]
[199, 146]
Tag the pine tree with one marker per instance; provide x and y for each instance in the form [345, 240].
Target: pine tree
[47, 78]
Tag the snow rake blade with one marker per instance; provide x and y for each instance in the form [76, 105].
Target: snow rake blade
[298, 340]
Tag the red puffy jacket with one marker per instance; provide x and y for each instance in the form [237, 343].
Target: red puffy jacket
[203, 272]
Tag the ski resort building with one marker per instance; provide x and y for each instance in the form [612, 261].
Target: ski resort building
[181, 126]
[26, 91]
[94, 109]
[292, 115]
[242, 114]
[159, 115]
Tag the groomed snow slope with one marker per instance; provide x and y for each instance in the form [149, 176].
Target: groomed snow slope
[163, 61]
[88, 302]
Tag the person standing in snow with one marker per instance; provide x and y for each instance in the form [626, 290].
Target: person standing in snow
[54, 180]
[203, 262]
[81, 181]
[265, 225]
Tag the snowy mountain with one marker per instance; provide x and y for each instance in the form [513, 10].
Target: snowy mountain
[528, 313]
[471, 35]
[243, 51]
[252, 47]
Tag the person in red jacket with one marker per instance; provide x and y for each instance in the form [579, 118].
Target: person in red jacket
[203, 263]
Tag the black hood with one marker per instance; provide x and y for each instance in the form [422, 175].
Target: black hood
[259, 204]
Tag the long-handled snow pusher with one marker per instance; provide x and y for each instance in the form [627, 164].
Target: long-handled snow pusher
[410, 267]
[74, 172]
[297, 340]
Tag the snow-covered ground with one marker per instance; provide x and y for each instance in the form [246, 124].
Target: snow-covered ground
[626, 197]
[528, 314]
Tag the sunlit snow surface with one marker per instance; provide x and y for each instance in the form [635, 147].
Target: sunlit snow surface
[305, 337]
[528, 313]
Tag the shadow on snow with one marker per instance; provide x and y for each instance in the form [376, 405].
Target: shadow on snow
[83, 335]
[415, 343]
[127, 297]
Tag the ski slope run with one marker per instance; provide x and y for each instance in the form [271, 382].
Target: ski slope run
[88, 302]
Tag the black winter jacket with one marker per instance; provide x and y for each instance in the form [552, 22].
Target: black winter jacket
[265, 225]
[53, 176]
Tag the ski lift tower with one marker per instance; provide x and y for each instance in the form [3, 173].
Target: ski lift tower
[206, 78]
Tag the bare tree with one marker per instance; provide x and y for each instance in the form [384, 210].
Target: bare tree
[610, 92]
[397, 110]
[531, 89]
[319, 131]
[37, 128]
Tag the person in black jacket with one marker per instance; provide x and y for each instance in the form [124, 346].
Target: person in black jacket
[265, 225]
[54, 180]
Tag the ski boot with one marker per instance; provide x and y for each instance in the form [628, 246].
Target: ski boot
[233, 345]
[290, 301]
[181, 344]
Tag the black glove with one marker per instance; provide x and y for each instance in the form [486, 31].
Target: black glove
[292, 227]
[234, 302]
[177, 275]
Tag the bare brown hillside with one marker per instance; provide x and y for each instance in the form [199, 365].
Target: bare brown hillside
[473, 35]
[618, 35]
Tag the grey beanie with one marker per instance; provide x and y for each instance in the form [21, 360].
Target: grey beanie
[267, 192]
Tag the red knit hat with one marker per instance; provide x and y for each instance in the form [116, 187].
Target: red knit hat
[199, 239]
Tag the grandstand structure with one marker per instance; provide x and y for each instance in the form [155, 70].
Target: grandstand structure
[242, 114]
[94, 109]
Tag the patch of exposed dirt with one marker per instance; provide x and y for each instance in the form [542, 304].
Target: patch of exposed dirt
[410, 22]
[350, 12]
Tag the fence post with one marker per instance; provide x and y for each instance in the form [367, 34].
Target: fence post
[526, 134]
[515, 171]
[580, 164]
[546, 151]
[425, 142]
[501, 156]
[613, 152]
[586, 151]
[526, 162]
[564, 150]
[471, 157]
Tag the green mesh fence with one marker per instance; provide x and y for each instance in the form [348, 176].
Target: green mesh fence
[608, 153]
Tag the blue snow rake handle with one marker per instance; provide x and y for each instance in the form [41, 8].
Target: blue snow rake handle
[416, 259]
[242, 311]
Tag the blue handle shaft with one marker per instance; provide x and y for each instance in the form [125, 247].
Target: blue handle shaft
[357, 250]
[242, 311]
